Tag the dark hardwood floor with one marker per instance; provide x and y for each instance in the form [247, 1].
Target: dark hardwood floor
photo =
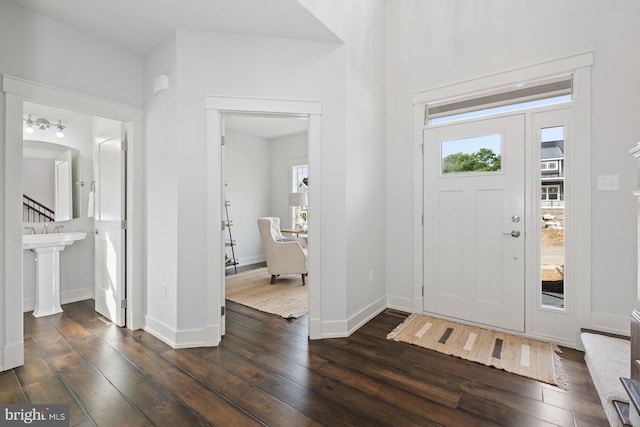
[266, 372]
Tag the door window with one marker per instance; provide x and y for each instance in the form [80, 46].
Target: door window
[477, 154]
[552, 214]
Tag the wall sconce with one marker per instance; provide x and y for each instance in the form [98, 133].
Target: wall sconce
[43, 124]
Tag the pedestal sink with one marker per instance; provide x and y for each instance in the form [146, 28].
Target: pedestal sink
[47, 248]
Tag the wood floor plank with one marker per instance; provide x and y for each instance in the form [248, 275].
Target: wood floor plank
[266, 372]
[242, 393]
[152, 401]
[393, 379]
[213, 408]
[36, 367]
[10, 388]
[93, 390]
[281, 377]
[501, 415]
[55, 391]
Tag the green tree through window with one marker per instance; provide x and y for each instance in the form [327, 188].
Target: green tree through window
[483, 160]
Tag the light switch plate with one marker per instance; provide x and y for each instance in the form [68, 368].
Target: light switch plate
[608, 182]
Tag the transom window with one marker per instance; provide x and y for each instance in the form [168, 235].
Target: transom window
[537, 93]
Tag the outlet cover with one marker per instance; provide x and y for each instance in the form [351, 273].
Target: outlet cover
[608, 182]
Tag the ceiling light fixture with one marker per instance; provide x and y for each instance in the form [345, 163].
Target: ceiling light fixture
[43, 124]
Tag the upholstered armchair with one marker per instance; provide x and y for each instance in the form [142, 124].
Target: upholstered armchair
[285, 255]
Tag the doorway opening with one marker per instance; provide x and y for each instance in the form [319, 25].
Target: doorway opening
[219, 110]
[258, 154]
[17, 93]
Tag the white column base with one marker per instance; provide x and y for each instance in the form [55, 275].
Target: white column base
[48, 281]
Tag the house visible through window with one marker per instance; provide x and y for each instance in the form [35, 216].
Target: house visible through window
[550, 192]
[552, 244]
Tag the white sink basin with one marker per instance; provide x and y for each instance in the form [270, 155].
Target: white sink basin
[47, 248]
[35, 241]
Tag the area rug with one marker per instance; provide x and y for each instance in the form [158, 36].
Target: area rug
[529, 358]
[286, 298]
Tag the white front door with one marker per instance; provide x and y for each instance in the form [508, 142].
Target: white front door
[474, 235]
[110, 231]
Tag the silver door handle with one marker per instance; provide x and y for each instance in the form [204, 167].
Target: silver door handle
[514, 233]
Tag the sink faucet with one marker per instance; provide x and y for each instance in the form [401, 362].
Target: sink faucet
[57, 229]
[45, 227]
[32, 230]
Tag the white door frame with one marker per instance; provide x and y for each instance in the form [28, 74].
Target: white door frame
[216, 106]
[16, 92]
[578, 65]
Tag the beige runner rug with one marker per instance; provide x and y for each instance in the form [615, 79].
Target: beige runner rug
[286, 298]
[526, 357]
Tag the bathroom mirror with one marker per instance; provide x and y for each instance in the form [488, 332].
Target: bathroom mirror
[50, 182]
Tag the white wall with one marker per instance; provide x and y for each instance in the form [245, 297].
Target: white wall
[39, 49]
[247, 173]
[362, 25]
[282, 152]
[240, 66]
[163, 142]
[432, 44]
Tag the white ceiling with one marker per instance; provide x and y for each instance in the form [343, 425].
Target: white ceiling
[142, 24]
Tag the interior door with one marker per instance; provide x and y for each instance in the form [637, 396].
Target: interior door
[474, 236]
[223, 203]
[110, 208]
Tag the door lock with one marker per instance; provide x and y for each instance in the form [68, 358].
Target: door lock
[515, 218]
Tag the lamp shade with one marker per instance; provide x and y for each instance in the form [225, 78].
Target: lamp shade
[298, 199]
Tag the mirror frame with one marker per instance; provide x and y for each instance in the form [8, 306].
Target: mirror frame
[44, 150]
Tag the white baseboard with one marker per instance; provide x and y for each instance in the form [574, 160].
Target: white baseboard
[160, 330]
[334, 329]
[189, 338]
[611, 323]
[251, 260]
[66, 297]
[344, 328]
[399, 303]
[359, 319]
